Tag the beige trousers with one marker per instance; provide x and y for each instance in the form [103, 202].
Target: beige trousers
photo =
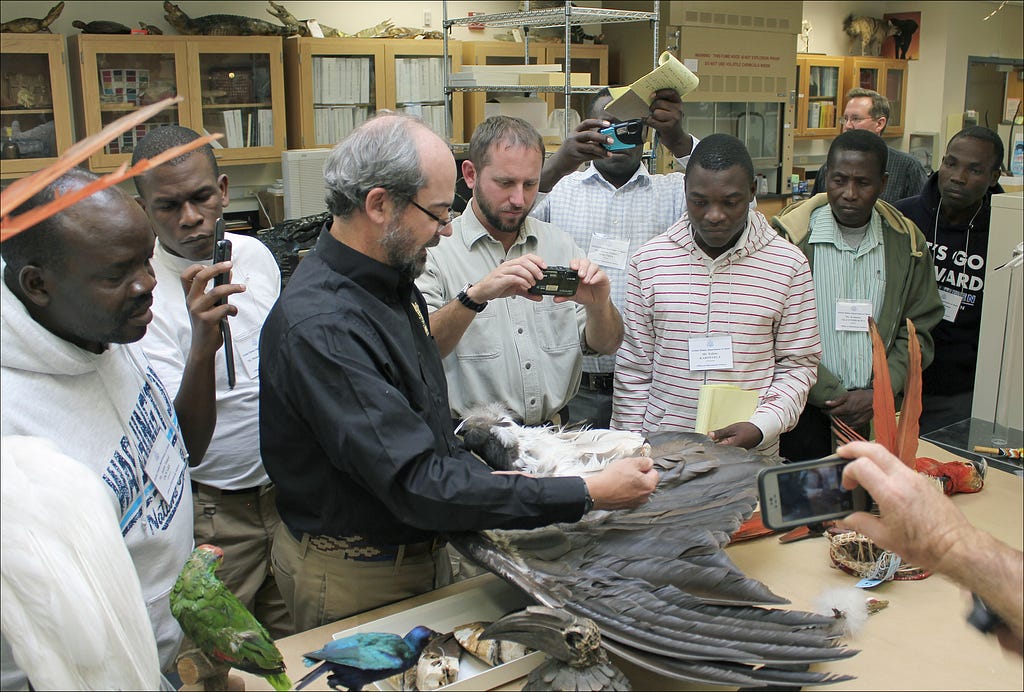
[243, 527]
[320, 587]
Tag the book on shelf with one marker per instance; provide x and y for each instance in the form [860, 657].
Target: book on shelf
[719, 405]
[265, 127]
[233, 129]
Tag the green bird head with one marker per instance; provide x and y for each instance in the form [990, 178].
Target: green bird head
[206, 556]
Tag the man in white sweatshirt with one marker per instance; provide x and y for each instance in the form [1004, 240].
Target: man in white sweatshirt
[77, 290]
[233, 499]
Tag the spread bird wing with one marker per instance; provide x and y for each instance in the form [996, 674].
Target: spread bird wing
[69, 588]
[658, 583]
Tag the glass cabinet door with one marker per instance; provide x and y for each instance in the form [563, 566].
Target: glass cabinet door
[757, 125]
[823, 97]
[240, 95]
[35, 121]
[416, 69]
[114, 75]
[344, 95]
[895, 89]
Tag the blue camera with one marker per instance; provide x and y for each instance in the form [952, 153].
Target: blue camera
[626, 135]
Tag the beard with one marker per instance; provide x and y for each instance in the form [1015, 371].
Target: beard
[491, 215]
[402, 253]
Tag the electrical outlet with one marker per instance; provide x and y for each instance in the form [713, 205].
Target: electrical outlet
[427, 18]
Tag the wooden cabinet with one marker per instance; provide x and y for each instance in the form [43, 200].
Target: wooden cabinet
[491, 53]
[35, 112]
[334, 84]
[414, 81]
[233, 85]
[888, 77]
[821, 95]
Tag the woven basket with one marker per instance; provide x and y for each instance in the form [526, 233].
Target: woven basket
[235, 83]
[858, 555]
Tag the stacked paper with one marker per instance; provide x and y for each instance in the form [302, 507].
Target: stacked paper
[719, 405]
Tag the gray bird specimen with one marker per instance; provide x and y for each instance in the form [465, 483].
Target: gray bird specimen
[574, 644]
[658, 583]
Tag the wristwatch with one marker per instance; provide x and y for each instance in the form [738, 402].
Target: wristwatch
[588, 501]
[463, 297]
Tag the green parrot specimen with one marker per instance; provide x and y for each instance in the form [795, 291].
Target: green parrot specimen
[219, 624]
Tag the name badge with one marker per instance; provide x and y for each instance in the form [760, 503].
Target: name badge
[247, 347]
[950, 304]
[164, 463]
[852, 315]
[710, 352]
[609, 252]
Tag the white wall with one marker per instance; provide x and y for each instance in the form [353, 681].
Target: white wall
[937, 81]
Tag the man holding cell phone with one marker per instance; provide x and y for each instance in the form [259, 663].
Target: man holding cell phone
[527, 350]
[233, 498]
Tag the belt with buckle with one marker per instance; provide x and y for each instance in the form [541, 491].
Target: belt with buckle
[598, 381]
[197, 487]
[358, 548]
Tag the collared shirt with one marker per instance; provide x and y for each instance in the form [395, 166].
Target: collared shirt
[523, 353]
[354, 423]
[845, 273]
[600, 216]
[760, 293]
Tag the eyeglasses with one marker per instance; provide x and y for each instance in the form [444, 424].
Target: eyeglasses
[441, 223]
[853, 119]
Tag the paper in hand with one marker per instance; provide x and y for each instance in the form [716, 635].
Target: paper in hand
[634, 101]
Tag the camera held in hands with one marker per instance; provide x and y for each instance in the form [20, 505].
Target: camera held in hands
[807, 492]
[557, 281]
[626, 135]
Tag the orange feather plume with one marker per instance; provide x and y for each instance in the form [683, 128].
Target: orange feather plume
[21, 190]
[883, 403]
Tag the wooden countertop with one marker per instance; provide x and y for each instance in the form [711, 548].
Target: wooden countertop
[920, 642]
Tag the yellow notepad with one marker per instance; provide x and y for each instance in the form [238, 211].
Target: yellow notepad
[634, 101]
[719, 405]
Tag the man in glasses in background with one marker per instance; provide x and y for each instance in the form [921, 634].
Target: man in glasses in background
[869, 110]
[526, 351]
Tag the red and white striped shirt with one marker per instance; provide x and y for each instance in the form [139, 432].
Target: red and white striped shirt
[760, 293]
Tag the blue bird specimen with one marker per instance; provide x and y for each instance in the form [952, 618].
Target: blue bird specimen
[366, 657]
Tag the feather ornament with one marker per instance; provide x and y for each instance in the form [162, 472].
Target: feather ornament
[71, 596]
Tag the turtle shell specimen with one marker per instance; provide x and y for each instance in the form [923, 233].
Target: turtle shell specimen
[101, 26]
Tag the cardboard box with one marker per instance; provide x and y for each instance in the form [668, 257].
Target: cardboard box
[530, 108]
[554, 79]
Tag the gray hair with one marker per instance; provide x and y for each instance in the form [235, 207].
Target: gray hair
[381, 152]
[879, 103]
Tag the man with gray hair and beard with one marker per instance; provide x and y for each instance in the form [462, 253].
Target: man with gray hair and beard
[354, 417]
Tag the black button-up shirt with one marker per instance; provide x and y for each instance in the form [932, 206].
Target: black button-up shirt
[354, 419]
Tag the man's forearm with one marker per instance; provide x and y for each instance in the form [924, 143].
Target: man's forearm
[604, 328]
[196, 405]
[448, 324]
[992, 570]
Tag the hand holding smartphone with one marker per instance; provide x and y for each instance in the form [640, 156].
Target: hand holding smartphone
[807, 492]
[222, 253]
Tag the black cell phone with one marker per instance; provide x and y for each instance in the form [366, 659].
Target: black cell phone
[807, 492]
[557, 281]
[625, 135]
[222, 253]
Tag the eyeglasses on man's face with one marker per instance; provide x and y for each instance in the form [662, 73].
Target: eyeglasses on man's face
[853, 119]
[441, 223]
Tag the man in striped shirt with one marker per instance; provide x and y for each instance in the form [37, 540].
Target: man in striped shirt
[718, 298]
[868, 260]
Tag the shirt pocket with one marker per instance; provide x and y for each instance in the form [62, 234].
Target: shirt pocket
[482, 340]
[557, 330]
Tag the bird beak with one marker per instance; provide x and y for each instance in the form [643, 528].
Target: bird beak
[539, 628]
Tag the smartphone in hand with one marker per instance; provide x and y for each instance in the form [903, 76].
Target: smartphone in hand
[807, 492]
